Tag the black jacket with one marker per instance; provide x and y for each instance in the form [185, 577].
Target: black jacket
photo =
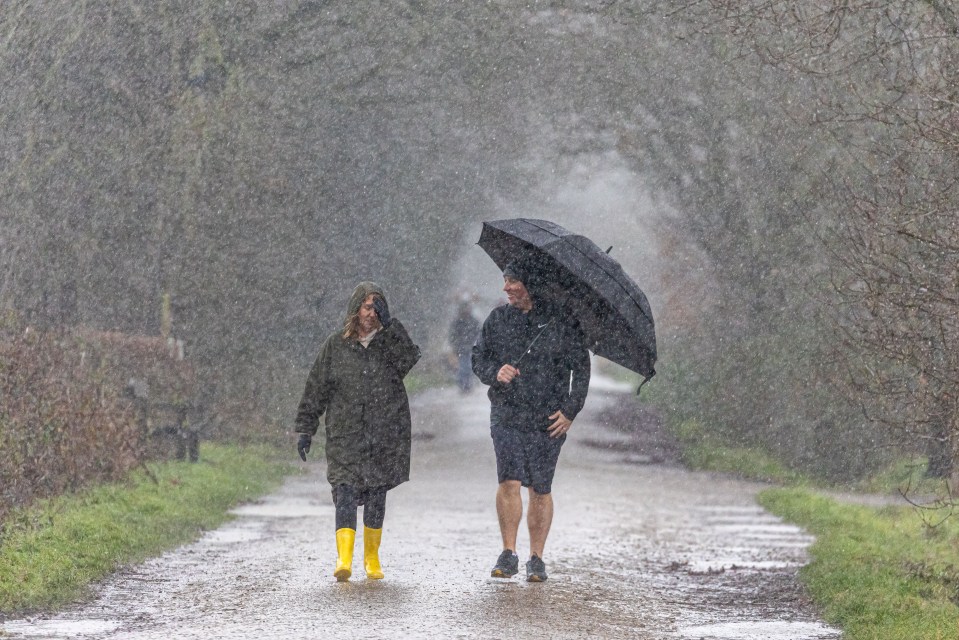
[543, 385]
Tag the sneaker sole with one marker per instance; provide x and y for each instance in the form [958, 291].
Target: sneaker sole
[499, 573]
[535, 579]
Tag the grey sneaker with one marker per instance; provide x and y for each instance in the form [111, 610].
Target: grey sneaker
[535, 570]
[507, 565]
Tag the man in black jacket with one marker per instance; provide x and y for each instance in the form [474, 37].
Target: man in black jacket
[533, 358]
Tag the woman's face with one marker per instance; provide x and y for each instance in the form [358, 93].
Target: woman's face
[367, 317]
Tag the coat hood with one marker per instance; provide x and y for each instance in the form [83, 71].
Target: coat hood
[530, 273]
[360, 294]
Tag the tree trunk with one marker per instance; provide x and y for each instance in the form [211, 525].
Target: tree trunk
[939, 451]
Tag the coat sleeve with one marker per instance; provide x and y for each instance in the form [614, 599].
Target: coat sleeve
[485, 362]
[316, 395]
[399, 351]
[578, 362]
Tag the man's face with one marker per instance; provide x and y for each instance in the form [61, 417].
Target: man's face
[368, 320]
[517, 294]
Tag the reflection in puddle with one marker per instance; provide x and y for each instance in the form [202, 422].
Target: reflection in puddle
[232, 536]
[289, 509]
[759, 529]
[761, 630]
[723, 564]
[59, 628]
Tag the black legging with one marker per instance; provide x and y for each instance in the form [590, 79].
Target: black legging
[347, 498]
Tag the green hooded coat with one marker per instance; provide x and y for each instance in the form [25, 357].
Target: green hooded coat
[367, 412]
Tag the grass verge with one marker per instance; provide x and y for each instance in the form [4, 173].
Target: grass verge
[50, 553]
[705, 452]
[878, 573]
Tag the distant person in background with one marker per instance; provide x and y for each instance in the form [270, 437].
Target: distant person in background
[532, 356]
[357, 383]
[463, 332]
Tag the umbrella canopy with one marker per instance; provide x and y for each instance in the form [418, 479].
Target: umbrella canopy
[573, 272]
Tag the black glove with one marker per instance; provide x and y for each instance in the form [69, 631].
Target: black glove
[382, 311]
[303, 446]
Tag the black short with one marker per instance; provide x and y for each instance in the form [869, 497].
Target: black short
[527, 456]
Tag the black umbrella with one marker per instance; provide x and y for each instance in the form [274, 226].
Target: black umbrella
[612, 311]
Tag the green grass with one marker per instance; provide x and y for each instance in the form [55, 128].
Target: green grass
[49, 554]
[905, 476]
[878, 573]
[707, 453]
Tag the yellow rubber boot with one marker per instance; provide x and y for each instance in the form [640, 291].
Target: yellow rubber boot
[344, 551]
[371, 553]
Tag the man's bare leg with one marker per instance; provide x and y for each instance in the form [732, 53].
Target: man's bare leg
[539, 519]
[509, 510]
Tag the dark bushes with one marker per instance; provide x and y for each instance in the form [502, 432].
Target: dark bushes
[65, 420]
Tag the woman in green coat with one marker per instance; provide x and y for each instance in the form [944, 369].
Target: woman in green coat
[356, 383]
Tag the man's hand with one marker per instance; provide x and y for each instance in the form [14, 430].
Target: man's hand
[303, 446]
[382, 311]
[560, 426]
[506, 373]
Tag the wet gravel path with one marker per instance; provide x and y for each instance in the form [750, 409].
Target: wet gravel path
[636, 551]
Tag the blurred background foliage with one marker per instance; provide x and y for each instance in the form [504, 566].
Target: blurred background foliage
[254, 160]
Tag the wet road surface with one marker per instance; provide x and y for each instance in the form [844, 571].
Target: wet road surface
[636, 551]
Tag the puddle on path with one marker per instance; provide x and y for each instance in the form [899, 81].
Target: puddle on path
[723, 564]
[232, 536]
[760, 630]
[289, 509]
[59, 628]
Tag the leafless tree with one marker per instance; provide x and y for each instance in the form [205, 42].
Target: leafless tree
[885, 80]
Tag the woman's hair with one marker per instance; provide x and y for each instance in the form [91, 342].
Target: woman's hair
[351, 328]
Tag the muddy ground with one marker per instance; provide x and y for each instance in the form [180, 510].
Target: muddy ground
[640, 548]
